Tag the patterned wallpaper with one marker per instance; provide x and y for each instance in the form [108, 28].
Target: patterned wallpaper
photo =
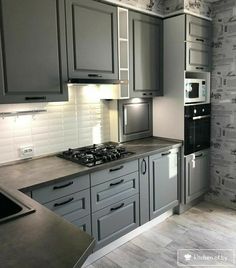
[164, 7]
[223, 160]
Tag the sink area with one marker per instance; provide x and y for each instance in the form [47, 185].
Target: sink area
[11, 208]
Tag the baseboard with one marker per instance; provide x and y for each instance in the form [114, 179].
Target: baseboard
[124, 239]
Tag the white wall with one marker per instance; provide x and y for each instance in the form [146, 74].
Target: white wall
[83, 120]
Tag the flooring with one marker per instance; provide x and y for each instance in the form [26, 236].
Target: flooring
[205, 226]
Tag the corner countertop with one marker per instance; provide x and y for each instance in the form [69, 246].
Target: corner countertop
[41, 172]
[43, 239]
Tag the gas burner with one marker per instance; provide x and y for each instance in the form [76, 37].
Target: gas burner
[96, 154]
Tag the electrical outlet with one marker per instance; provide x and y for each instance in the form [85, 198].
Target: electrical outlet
[26, 151]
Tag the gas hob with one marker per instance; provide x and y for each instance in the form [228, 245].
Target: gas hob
[96, 154]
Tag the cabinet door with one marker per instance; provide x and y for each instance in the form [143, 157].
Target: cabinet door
[116, 220]
[92, 40]
[163, 182]
[198, 30]
[146, 62]
[33, 64]
[198, 57]
[197, 174]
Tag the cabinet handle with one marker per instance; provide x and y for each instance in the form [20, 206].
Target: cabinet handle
[166, 153]
[116, 208]
[116, 183]
[201, 40]
[63, 203]
[145, 167]
[94, 75]
[63, 186]
[35, 98]
[200, 155]
[116, 169]
[199, 68]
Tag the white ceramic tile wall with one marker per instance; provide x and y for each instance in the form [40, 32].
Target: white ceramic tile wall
[82, 121]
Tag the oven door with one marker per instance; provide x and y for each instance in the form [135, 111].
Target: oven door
[197, 134]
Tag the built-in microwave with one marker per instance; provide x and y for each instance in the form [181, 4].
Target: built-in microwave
[135, 119]
[195, 91]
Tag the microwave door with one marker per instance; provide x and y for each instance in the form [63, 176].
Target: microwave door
[136, 118]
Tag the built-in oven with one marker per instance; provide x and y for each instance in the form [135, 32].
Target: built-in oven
[135, 119]
[197, 128]
[195, 91]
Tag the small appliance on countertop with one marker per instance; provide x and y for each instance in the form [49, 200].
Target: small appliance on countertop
[96, 154]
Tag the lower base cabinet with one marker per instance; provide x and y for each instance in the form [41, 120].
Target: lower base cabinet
[116, 220]
[163, 182]
[197, 174]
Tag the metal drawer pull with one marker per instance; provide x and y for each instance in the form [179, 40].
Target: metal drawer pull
[199, 68]
[63, 186]
[200, 155]
[116, 169]
[120, 206]
[166, 153]
[201, 40]
[145, 167]
[94, 75]
[35, 98]
[116, 183]
[63, 203]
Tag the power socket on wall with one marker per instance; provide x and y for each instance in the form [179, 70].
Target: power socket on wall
[26, 151]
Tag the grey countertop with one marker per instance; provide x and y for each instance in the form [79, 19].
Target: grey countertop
[43, 239]
[36, 173]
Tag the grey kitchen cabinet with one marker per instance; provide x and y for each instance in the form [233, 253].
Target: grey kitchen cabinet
[197, 174]
[83, 223]
[60, 189]
[113, 172]
[146, 55]
[69, 198]
[33, 60]
[113, 191]
[144, 190]
[116, 220]
[92, 40]
[163, 182]
[198, 57]
[198, 30]
[77, 203]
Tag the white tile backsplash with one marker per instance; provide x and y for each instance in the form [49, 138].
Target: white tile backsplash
[81, 121]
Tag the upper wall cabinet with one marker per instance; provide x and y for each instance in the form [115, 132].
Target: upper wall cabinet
[198, 30]
[33, 66]
[146, 62]
[92, 40]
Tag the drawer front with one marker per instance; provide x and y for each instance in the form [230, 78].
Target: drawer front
[116, 220]
[57, 190]
[77, 204]
[114, 172]
[113, 191]
[198, 57]
[198, 30]
[83, 223]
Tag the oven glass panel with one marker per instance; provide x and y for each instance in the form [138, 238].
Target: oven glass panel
[194, 93]
[197, 135]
